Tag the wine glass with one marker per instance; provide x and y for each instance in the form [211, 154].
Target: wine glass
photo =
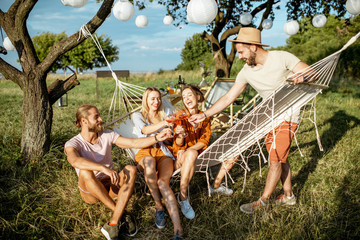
[170, 116]
[182, 115]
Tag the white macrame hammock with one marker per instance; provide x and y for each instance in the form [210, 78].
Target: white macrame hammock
[244, 139]
[125, 100]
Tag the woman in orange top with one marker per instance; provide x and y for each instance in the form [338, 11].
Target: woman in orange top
[189, 142]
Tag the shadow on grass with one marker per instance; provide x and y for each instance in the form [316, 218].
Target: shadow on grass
[340, 123]
[345, 223]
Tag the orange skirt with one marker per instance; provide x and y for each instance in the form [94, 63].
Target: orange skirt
[153, 152]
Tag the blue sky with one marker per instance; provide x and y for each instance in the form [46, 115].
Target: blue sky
[155, 47]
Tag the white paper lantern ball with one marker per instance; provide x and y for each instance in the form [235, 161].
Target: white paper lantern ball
[353, 6]
[201, 12]
[74, 3]
[246, 18]
[141, 21]
[291, 27]
[189, 17]
[319, 20]
[267, 24]
[168, 20]
[8, 44]
[123, 10]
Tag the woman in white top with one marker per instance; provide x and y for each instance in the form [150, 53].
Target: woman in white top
[157, 162]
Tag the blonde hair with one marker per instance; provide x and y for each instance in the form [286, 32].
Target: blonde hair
[145, 107]
[83, 112]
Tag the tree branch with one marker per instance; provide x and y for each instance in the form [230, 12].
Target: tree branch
[11, 73]
[22, 41]
[222, 19]
[229, 32]
[232, 54]
[67, 44]
[267, 12]
[60, 87]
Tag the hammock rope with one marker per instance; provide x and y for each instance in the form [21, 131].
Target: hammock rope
[125, 94]
[245, 139]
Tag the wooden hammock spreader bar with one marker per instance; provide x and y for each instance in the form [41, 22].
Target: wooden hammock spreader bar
[122, 117]
[310, 84]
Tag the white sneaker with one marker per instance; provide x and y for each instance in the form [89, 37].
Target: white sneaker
[186, 208]
[222, 190]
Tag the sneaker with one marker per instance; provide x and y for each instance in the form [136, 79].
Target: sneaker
[284, 200]
[160, 220]
[128, 225]
[186, 208]
[110, 232]
[250, 207]
[178, 236]
[222, 190]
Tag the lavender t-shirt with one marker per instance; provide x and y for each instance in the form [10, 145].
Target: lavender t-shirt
[99, 152]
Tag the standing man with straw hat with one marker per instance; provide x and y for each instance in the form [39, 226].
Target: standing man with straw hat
[265, 71]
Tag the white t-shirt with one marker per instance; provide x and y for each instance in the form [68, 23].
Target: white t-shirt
[99, 152]
[267, 78]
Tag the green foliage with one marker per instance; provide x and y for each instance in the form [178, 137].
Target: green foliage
[44, 42]
[236, 67]
[312, 44]
[196, 49]
[83, 57]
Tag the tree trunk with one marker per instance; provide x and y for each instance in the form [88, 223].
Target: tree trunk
[222, 66]
[37, 116]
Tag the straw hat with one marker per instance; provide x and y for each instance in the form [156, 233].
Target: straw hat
[249, 35]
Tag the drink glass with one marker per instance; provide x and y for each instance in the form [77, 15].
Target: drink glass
[182, 115]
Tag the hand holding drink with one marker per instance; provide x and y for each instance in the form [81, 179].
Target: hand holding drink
[180, 130]
[182, 115]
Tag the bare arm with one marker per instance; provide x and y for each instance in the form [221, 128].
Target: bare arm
[140, 143]
[198, 146]
[154, 127]
[220, 104]
[82, 163]
[300, 68]
[79, 162]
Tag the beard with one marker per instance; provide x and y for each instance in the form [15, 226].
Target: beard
[252, 59]
[95, 128]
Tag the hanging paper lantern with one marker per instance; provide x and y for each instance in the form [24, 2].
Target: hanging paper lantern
[141, 21]
[123, 10]
[319, 20]
[267, 24]
[201, 12]
[188, 12]
[353, 6]
[246, 18]
[291, 27]
[168, 20]
[8, 44]
[74, 3]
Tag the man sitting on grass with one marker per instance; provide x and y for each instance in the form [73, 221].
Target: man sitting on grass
[89, 153]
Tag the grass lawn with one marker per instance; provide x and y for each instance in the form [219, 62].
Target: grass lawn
[41, 200]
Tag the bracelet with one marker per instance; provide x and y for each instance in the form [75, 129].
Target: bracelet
[156, 138]
[205, 114]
